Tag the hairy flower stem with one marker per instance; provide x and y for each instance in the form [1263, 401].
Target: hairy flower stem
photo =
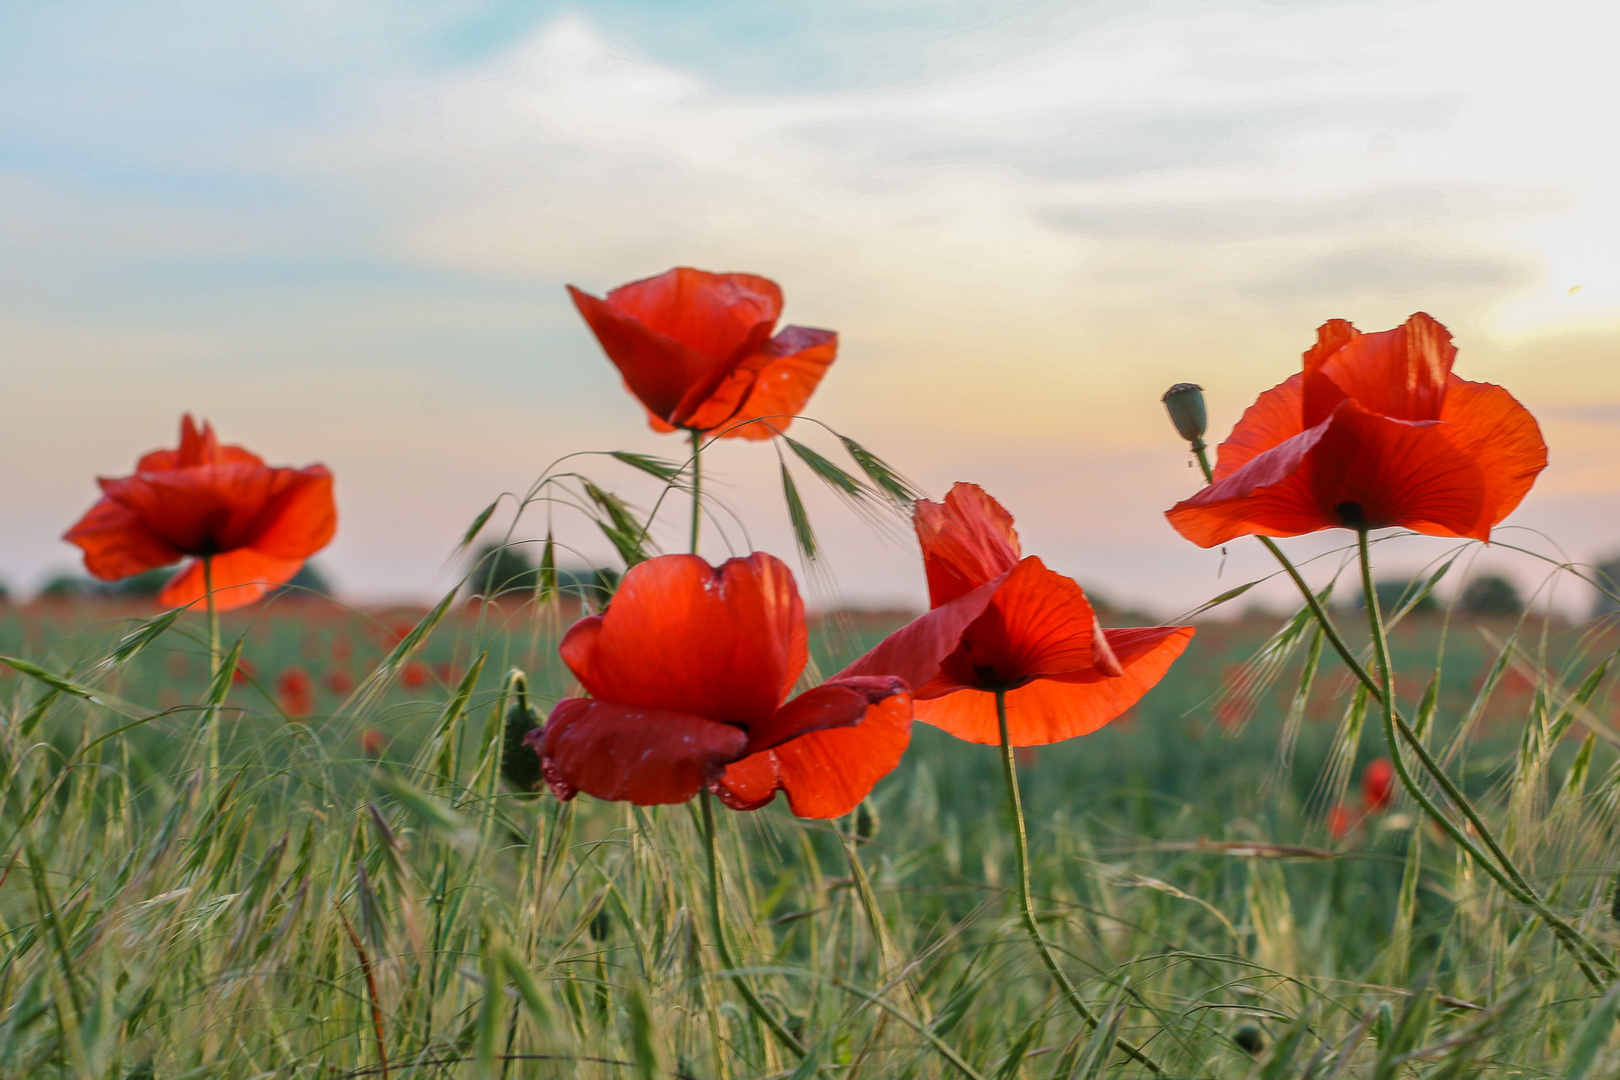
[697, 488]
[1009, 769]
[783, 1035]
[1502, 869]
[1582, 949]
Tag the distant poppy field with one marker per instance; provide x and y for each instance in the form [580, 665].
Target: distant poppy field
[659, 818]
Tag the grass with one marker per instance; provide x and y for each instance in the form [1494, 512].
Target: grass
[327, 905]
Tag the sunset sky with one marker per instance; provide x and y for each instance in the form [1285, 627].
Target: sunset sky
[341, 232]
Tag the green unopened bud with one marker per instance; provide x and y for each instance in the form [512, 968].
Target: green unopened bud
[520, 765]
[1249, 1038]
[1185, 404]
[866, 820]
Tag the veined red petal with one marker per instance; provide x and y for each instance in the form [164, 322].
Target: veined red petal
[117, 543]
[1400, 373]
[240, 577]
[302, 519]
[660, 371]
[915, 652]
[1269, 496]
[1053, 709]
[217, 508]
[197, 447]
[725, 643]
[784, 375]
[1039, 623]
[633, 754]
[1501, 436]
[1273, 419]
[725, 316]
[966, 540]
[825, 773]
[834, 704]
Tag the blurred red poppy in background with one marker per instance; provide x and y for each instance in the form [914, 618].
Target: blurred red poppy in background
[1339, 822]
[256, 524]
[295, 692]
[696, 349]
[415, 675]
[1033, 635]
[1377, 785]
[688, 670]
[1375, 432]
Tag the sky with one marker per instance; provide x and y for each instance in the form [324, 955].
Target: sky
[341, 232]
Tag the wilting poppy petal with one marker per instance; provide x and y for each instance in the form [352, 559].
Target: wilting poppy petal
[633, 754]
[1400, 373]
[966, 540]
[915, 652]
[833, 704]
[825, 773]
[1053, 709]
[1038, 624]
[776, 382]
[240, 577]
[117, 542]
[719, 642]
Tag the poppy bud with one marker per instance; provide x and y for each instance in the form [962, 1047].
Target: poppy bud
[520, 765]
[866, 820]
[1185, 404]
[1249, 1039]
[1377, 785]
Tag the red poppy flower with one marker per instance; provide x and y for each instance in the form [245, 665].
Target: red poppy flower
[258, 524]
[415, 675]
[1375, 432]
[696, 349]
[1339, 822]
[1377, 785]
[688, 669]
[1035, 635]
[295, 692]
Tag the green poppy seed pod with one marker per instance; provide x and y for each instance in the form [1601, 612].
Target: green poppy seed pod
[1249, 1038]
[1185, 404]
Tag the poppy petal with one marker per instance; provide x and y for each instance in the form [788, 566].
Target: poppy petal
[1053, 709]
[966, 540]
[1502, 437]
[658, 370]
[778, 384]
[1269, 496]
[1273, 419]
[633, 754]
[117, 543]
[750, 783]
[197, 447]
[834, 704]
[301, 519]
[1401, 373]
[915, 652]
[723, 642]
[1039, 623]
[825, 773]
[240, 577]
[724, 316]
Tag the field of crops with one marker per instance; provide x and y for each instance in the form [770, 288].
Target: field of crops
[318, 867]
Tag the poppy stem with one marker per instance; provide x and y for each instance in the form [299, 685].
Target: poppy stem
[697, 491]
[213, 667]
[1585, 953]
[1009, 768]
[756, 1006]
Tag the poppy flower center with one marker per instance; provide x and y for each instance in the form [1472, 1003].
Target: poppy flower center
[1351, 515]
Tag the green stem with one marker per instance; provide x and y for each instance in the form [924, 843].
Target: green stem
[697, 487]
[1567, 934]
[1009, 768]
[1504, 871]
[756, 1006]
[213, 669]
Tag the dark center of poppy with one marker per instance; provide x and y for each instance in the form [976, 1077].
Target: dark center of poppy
[1351, 516]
